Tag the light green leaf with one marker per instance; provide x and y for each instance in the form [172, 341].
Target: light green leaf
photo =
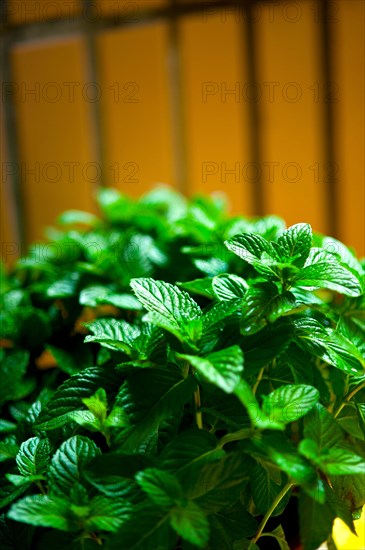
[33, 456]
[229, 286]
[6, 426]
[112, 333]
[250, 247]
[202, 286]
[223, 368]
[334, 461]
[65, 468]
[44, 511]
[78, 216]
[97, 404]
[290, 402]
[323, 270]
[295, 243]
[167, 300]
[329, 345]
[18, 480]
[190, 523]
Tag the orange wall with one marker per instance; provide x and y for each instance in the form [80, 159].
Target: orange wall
[136, 98]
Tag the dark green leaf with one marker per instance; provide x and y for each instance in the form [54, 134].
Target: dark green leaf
[190, 523]
[65, 468]
[33, 456]
[68, 397]
[263, 304]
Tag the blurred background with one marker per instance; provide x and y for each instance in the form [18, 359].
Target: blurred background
[263, 100]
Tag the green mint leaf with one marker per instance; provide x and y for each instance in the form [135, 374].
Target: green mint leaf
[295, 243]
[68, 398]
[258, 418]
[162, 487]
[222, 368]
[107, 514]
[279, 535]
[191, 524]
[44, 511]
[266, 484]
[113, 474]
[263, 304]
[147, 528]
[167, 300]
[12, 370]
[167, 392]
[250, 247]
[113, 334]
[278, 449]
[288, 403]
[329, 345]
[9, 493]
[323, 270]
[65, 467]
[229, 286]
[334, 461]
[8, 448]
[322, 428]
[217, 485]
[189, 449]
[203, 287]
[316, 520]
[71, 217]
[6, 426]
[33, 456]
[18, 480]
[264, 346]
[97, 404]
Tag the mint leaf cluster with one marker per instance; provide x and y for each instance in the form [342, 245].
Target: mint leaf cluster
[175, 378]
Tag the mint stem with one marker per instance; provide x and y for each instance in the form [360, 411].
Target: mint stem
[198, 414]
[274, 504]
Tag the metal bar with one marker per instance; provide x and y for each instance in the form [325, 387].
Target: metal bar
[177, 107]
[14, 186]
[36, 29]
[254, 130]
[93, 74]
[332, 184]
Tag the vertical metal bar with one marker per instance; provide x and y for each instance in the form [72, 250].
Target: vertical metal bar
[177, 103]
[251, 41]
[93, 75]
[332, 184]
[14, 187]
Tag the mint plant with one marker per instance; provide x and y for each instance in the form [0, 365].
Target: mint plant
[205, 381]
